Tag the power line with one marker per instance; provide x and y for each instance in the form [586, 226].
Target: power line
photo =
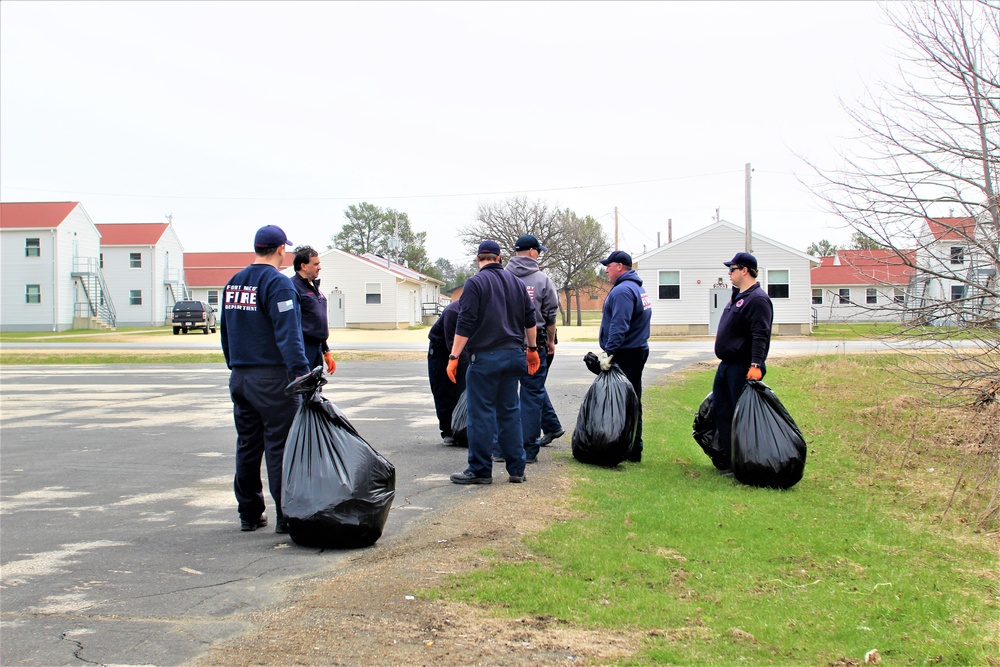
[429, 196]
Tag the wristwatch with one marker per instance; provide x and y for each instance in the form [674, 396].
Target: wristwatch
[452, 357]
[533, 349]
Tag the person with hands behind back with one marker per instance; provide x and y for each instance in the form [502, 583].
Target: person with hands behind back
[315, 325]
[495, 318]
[741, 344]
[261, 334]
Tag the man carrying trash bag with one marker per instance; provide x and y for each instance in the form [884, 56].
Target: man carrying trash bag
[741, 344]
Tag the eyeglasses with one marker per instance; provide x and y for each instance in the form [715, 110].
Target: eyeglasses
[734, 268]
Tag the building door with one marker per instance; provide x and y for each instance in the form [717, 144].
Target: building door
[718, 297]
[335, 310]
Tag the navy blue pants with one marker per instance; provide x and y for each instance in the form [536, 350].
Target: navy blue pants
[446, 393]
[550, 421]
[730, 381]
[263, 415]
[632, 360]
[533, 399]
[494, 409]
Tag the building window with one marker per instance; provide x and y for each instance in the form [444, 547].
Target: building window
[845, 296]
[899, 296]
[817, 296]
[957, 292]
[32, 293]
[957, 255]
[670, 284]
[213, 297]
[373, 293]
[871, 295]
[100, 260]
[32, 247]
[135, 297]
[777, 283]
[135, 260]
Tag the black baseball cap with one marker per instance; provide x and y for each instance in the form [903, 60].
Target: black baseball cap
[744, 259]
[527, 242]
[619, 256]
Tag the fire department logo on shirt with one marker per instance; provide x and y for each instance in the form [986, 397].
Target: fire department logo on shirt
[240, 297]
[646, 302]
[739, 303]
[531, 292]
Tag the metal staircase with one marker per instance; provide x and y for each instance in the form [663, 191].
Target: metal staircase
[98, 307]
[174, 280]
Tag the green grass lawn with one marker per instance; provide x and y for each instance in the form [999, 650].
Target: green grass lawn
[861, 554]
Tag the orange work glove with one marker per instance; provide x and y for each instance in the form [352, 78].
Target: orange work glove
[453, 370]
[534, 363]
[331, 365]
[754, 373]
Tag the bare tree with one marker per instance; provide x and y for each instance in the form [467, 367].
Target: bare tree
[505, 220]
[920, 182]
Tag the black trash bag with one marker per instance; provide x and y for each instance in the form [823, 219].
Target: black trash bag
[593, 363]
[336, 491]
[460, 421]
[768, 447]
[705, 434]
[608, 418]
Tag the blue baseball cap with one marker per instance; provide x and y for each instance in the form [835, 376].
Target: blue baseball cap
[270, 236]
[489, 248]
[619, 256]
[744, 259]
[527, 242]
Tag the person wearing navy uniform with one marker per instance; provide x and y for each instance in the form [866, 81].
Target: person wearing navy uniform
[312, 302]
[261, 334]
[445, 392]
[741, 344]
[495, 318]
[624, 332]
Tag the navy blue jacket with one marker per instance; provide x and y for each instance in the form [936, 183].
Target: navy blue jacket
[261, 321]
[744, 335]
[312, 302]
[442, 333]
[494, 310]
[626, 315]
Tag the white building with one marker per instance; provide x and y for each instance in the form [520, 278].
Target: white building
[689, 285]
[143, 264]
[365, 292]
[50, 277]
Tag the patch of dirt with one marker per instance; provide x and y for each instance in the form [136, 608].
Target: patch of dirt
[360, 615]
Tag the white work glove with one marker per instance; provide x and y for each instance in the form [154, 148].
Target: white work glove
[605, 360]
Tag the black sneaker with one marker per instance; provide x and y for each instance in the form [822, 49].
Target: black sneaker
[546, 439]
[533, 459]
[466, 477]
[281, 528]
[517, 479]
[248, 525]
[497, 458]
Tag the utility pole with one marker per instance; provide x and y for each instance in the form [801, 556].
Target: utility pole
[616, 228]
[749, 238]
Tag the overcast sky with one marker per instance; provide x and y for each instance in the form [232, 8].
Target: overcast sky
[232, 115]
